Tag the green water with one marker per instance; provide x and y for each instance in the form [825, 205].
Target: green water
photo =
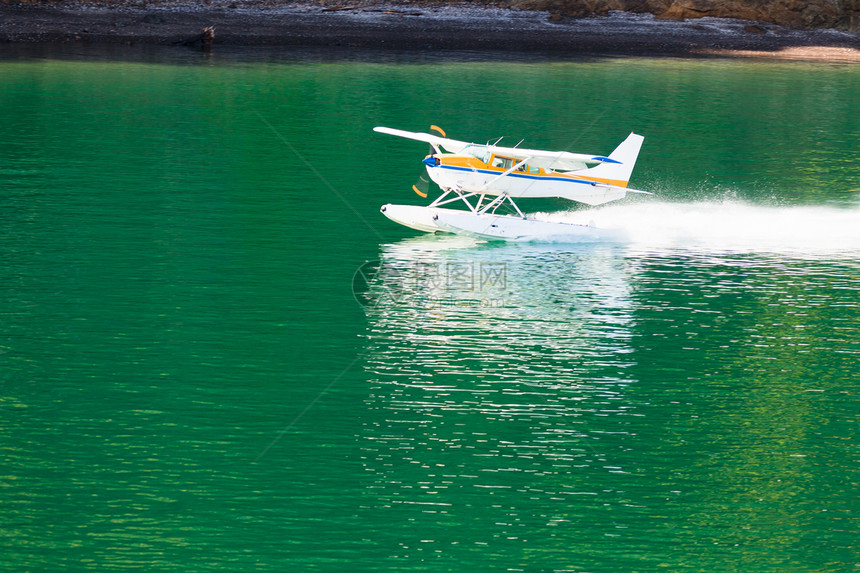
[188, 383]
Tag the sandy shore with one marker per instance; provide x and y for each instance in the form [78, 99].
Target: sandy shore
[428, 28]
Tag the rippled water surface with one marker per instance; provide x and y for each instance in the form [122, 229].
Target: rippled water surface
[217, 355]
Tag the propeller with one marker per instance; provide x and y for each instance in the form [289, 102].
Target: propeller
[422, 186]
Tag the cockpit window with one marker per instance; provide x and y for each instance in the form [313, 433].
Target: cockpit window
[503, 162]
[479, 152]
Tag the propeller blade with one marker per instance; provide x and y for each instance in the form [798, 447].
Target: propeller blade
[422, 186]
[439, 129]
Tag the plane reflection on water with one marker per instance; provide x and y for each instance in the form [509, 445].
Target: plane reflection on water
[493, 369]
[517, 308]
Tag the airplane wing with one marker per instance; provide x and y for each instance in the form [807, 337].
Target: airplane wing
[554, 160]
[450, 145]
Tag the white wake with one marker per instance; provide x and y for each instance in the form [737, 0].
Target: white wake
[726, 226]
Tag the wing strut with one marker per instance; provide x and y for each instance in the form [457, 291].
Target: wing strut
[505, 174]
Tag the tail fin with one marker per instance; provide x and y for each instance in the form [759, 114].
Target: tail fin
[618, 171]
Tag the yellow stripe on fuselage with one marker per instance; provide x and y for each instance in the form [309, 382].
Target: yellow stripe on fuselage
[465, 161]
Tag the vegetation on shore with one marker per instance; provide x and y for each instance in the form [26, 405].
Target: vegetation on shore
[801, 14]
[804, 14]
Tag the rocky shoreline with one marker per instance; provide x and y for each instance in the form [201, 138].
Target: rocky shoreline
[429, 28]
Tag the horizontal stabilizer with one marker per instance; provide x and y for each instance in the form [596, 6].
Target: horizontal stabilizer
[602, 159]
[618, 169]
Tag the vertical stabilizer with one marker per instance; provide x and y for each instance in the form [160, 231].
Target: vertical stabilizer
[617, 171]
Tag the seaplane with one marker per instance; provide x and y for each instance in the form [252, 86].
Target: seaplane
[486, 177]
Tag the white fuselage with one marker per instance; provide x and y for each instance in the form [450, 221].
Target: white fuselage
[458, 172]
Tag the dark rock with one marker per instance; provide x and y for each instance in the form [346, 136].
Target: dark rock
[153, 18]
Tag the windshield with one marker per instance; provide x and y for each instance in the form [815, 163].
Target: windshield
[478, 151]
